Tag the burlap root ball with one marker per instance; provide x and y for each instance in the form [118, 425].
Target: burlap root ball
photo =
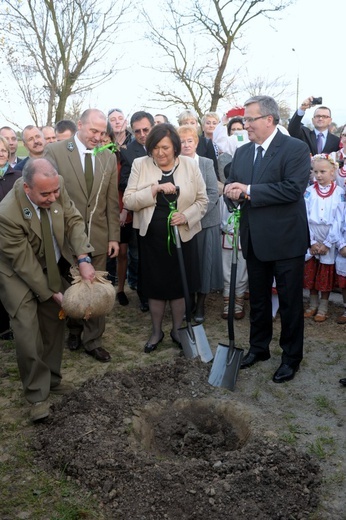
[86, 299]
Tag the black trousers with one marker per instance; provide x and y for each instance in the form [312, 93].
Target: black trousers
[4, 319]
[289, 276]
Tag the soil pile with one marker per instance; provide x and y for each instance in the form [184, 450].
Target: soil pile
[160, 443]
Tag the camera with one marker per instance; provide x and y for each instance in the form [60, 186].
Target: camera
[316, 101]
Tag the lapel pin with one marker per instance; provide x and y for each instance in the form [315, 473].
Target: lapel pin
[27, 213]
[55, 211]
[70, 146]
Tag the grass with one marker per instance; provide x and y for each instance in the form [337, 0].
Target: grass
[39, 495]
[294, 431]
[324, 404]
[322, 448]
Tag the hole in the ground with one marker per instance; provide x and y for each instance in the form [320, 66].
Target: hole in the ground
[191, 428]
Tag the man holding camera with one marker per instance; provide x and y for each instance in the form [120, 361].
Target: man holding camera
[319, 140]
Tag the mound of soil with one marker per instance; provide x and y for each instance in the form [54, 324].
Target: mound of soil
[155, 443]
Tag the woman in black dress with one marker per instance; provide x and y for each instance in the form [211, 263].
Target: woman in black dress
[152, 195]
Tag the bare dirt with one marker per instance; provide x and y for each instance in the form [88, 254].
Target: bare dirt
[150, 439]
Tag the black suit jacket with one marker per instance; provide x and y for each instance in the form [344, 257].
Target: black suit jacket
[127, 156]
[296, 129]
[275, 215]
[205, 148]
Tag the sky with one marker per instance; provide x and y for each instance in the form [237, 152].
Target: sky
[310, 27]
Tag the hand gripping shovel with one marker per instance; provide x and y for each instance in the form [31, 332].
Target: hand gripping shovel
[226, 364]
[192, 337]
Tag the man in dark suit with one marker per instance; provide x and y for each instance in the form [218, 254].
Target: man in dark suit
[320, 139]
[29, 294]
[272, 172]
[141, 123]
[97, 200]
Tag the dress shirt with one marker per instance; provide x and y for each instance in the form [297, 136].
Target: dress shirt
[82, 149]
[265, 145]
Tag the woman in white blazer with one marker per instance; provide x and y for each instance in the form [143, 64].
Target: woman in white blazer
[152, 195]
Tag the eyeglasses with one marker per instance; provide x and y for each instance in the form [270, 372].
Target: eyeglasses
[321, 117]
[142, 130]
[253, 119]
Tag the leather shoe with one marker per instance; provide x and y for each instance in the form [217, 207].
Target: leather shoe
[74, 341]
[100, 354]
[251, 358]
[62, 389]
[144, 306]
[39, 411]
[150, 347]
[343, 381]
[341, 319]
[122, 298]
[285, 373]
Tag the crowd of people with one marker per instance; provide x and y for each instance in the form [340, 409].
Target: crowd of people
[110, 192]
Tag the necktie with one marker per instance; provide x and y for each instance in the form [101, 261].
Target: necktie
[54, 280]
[88, 172]
[257, 164]
[320, 142]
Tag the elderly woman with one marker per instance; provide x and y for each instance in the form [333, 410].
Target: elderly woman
[208, 240]
[205, 146]
[8, 176]
[152, 195]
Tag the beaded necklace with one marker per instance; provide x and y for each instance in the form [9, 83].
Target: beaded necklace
[325, 194]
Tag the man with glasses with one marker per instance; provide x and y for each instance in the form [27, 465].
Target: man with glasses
[320, 139]
[271, 173]
[141, 123]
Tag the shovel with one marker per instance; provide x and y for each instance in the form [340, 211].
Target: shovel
[226, 364]
[192, 337]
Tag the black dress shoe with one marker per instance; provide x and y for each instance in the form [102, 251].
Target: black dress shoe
[343, 381]
[100, 354]
[176, 341]
[122, 298]
[150, 347]
[144, 306]
[251, 358]
[7, 336]
[74, 341]
[285, 373]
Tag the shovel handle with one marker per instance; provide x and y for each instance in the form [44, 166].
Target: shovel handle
[183, 275]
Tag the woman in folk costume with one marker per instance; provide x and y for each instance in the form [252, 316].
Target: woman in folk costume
[341, 158]
[325, 209]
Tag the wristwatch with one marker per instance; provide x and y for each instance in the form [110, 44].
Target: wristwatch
[86, 259]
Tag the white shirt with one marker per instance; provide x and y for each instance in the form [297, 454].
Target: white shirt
[82, 150]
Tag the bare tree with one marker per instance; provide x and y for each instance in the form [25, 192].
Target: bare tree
[275, 87]
[56, 48]
[197, 43]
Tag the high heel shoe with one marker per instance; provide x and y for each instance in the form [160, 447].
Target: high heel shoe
[150, 347]
[176, 341]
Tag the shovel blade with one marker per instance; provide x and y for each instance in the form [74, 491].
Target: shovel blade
[226, 365]
[195, 343]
